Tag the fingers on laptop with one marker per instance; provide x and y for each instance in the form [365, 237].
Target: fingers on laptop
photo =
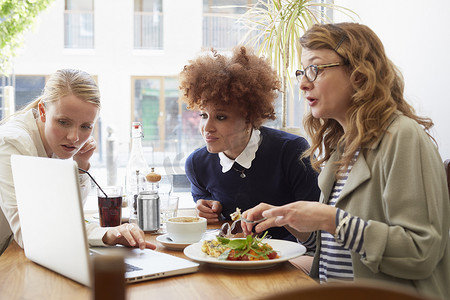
[128, 235]
[149, 245]
[136, 237]
[131, 234]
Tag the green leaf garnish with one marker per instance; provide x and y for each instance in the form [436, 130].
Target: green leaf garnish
[223, 240]
[238, 244]
[242, 247]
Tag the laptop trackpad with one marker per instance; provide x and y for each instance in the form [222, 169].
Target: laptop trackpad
[148, 264]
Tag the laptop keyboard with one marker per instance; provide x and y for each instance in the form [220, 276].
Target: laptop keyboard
[128, 267]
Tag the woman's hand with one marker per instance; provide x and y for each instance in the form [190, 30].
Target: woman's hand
[129, 235]
[302, 216]
[209, 209]
[256, 213]
[84, 154]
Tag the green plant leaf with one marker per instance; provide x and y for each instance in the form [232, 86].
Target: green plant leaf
[16, 16]
[275, 27]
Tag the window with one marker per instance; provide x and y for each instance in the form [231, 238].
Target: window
[6, 92]
[17, 91]
[148, 24]
[79, 24]
[326, 12]
[28, 88]
[221, 30]
[170, 130]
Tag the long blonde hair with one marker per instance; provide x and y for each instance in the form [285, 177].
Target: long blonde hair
[378, 93]
[66, 82]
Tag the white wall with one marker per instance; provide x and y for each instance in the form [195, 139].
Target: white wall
[113, 59]
[416, 36]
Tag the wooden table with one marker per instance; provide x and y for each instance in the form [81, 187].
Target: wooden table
[20, 278]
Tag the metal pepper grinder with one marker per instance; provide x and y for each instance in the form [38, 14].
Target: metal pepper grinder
[148, 213]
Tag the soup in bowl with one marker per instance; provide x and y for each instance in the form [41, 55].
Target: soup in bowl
[186, 229]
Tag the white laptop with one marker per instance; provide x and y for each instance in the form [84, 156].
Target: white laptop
[53, 224]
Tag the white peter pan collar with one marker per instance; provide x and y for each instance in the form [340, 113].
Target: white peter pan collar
[246, 157]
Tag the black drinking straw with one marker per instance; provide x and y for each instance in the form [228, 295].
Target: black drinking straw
[93, 181]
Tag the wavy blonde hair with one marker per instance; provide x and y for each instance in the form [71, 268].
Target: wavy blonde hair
[377, 93]
[66, 82]
[243, 80]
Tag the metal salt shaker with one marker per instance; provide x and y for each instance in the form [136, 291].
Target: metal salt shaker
[148, 210]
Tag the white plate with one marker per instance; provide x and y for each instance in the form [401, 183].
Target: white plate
[164, 240]
[286, 250]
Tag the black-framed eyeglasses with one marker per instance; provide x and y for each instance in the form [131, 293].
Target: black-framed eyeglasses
[312, 71]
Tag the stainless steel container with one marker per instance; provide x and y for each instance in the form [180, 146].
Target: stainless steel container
[148, 210]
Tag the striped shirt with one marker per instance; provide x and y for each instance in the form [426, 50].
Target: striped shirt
[335, 263]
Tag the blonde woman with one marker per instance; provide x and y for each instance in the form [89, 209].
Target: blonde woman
[58, 124]
[384, 207]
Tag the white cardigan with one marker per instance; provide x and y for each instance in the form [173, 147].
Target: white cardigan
[20, 135]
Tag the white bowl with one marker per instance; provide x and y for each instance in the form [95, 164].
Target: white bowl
[186, 229]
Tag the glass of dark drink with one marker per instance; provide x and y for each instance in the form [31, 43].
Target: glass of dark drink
[110, 206]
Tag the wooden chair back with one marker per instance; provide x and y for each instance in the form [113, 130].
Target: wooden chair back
[346, 291]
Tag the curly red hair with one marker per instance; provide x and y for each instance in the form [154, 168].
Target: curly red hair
[243, 80]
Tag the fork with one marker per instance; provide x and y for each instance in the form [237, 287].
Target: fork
[253, 222]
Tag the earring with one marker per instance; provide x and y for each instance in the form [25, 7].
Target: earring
[247, 131]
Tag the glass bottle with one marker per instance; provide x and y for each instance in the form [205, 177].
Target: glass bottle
[137, 168]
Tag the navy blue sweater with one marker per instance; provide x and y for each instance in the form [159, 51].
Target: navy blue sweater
[277, 176]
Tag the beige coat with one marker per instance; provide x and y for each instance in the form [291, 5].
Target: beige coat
[399, 188]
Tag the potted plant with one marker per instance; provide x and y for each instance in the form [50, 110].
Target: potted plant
[274, 30]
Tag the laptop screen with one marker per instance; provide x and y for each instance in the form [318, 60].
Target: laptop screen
[53, 226]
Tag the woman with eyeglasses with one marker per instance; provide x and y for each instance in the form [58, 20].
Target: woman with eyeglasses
[384, 207]
[243, 162]
[59, 124]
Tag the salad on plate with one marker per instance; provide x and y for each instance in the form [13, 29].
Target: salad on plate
[241, 249]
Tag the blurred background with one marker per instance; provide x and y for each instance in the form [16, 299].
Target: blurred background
[136, 49]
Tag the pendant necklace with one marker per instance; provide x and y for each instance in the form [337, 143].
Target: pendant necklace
[241, 171]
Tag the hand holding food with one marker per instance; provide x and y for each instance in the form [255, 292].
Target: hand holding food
[256, 213]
